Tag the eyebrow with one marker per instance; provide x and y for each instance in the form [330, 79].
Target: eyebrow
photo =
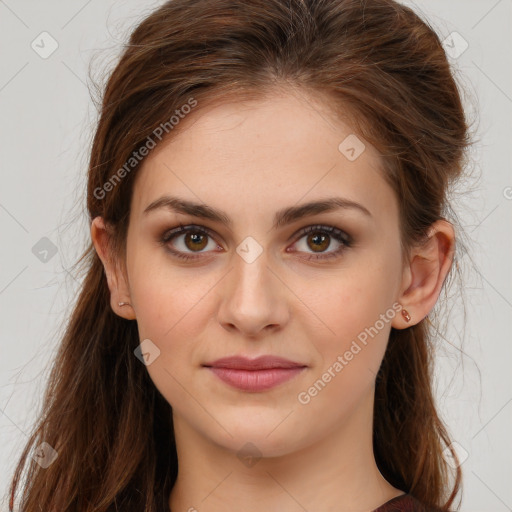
[281, 218]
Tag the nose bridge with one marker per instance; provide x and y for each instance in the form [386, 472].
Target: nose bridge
[253, 299]
[252, 278]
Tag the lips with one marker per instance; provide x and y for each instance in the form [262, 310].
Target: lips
[260, 363]
[254, 375]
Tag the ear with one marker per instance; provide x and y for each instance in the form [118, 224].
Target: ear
[116, 277]
[424, 275]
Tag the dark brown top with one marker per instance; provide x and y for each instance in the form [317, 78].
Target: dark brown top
[404, 503]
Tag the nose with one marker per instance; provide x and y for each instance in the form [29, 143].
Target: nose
[254, 298]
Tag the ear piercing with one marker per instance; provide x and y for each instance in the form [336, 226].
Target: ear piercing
[406, 315]
[123, 304]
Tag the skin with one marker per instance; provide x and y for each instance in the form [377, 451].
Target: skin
[250, 159]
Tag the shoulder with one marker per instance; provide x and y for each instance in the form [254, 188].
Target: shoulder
[405, 503]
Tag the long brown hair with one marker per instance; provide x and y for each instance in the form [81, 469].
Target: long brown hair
[108, 423]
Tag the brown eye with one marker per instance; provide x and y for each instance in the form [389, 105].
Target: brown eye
[195, 241]
[317, 239]
[318, 242]
[183, 241]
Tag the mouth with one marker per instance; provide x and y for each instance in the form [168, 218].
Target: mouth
[254, 375]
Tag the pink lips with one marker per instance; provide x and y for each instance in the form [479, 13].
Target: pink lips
[254, 375]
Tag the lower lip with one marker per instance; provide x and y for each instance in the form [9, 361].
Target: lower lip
[255, 380]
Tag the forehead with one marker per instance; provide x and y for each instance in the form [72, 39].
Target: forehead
[262, 153]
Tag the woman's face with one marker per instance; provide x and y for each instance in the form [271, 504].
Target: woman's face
[255, 283]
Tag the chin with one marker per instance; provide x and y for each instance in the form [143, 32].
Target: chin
[265, 434]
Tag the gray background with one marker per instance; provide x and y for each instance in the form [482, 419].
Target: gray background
[46, 128]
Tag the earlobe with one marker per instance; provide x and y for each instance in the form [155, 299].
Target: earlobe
[127, 312]
[403, 320]
[117, 284]
[428, 267]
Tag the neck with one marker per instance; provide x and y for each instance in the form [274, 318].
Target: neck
[337, 472]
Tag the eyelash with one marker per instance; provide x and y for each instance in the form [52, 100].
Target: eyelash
[337, 234]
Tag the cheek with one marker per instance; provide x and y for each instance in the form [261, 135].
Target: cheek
[354, 312]
[171, 313]
[347, 302]
[174, 307]
[166, 296]
[349, 360]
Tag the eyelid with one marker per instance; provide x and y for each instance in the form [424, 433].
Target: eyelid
[342, 237]
[326, 228]
[183, 228]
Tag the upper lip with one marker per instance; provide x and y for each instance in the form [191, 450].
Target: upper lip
[260, 363]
